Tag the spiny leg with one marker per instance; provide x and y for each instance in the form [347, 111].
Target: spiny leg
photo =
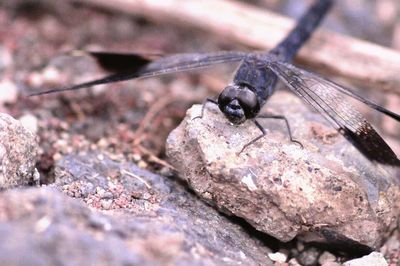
[281, 117]
[264, 132]
[208, 100]
[255, 139]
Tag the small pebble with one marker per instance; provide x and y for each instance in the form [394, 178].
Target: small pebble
[57, 156]
[8, 91]
[107, 195]
[326, 258]
[136, 194]
[106, 204]
[278, 257]
[294, 262]
[146, 196]
[6, 59]
[142, 164]
[102, 143]
[100, 157]
[51, 75]
[77, 194]
[309, 256]
[136, 157]
[30, 122]
[35, 80]
[100, 192]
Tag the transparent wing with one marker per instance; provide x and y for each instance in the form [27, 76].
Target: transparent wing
[354, 95]
[132, 66]
[327, 98]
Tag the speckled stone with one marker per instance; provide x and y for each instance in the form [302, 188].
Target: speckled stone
[327, 191]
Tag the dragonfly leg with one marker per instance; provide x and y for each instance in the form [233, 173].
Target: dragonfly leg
[255, 139]
[208, 100]
[281, 117]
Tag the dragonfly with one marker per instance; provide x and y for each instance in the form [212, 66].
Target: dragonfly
[255, 81]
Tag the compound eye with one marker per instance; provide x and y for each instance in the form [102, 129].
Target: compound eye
[227, 95]
[249, 102]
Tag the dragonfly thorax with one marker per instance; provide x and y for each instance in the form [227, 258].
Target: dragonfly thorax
[238, 103]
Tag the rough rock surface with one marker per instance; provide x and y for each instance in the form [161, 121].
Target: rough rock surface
[44, 227]
[325, 192]
[373, 259]
[162, 224]
[18, 150]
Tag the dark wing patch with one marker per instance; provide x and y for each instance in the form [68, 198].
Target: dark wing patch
[120, 62]
[327, 99]
[162, 66]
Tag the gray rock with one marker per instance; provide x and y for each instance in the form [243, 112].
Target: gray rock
[152, 217]
[373, 259]
[325, 192]
[41, 226]
[18, 150]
